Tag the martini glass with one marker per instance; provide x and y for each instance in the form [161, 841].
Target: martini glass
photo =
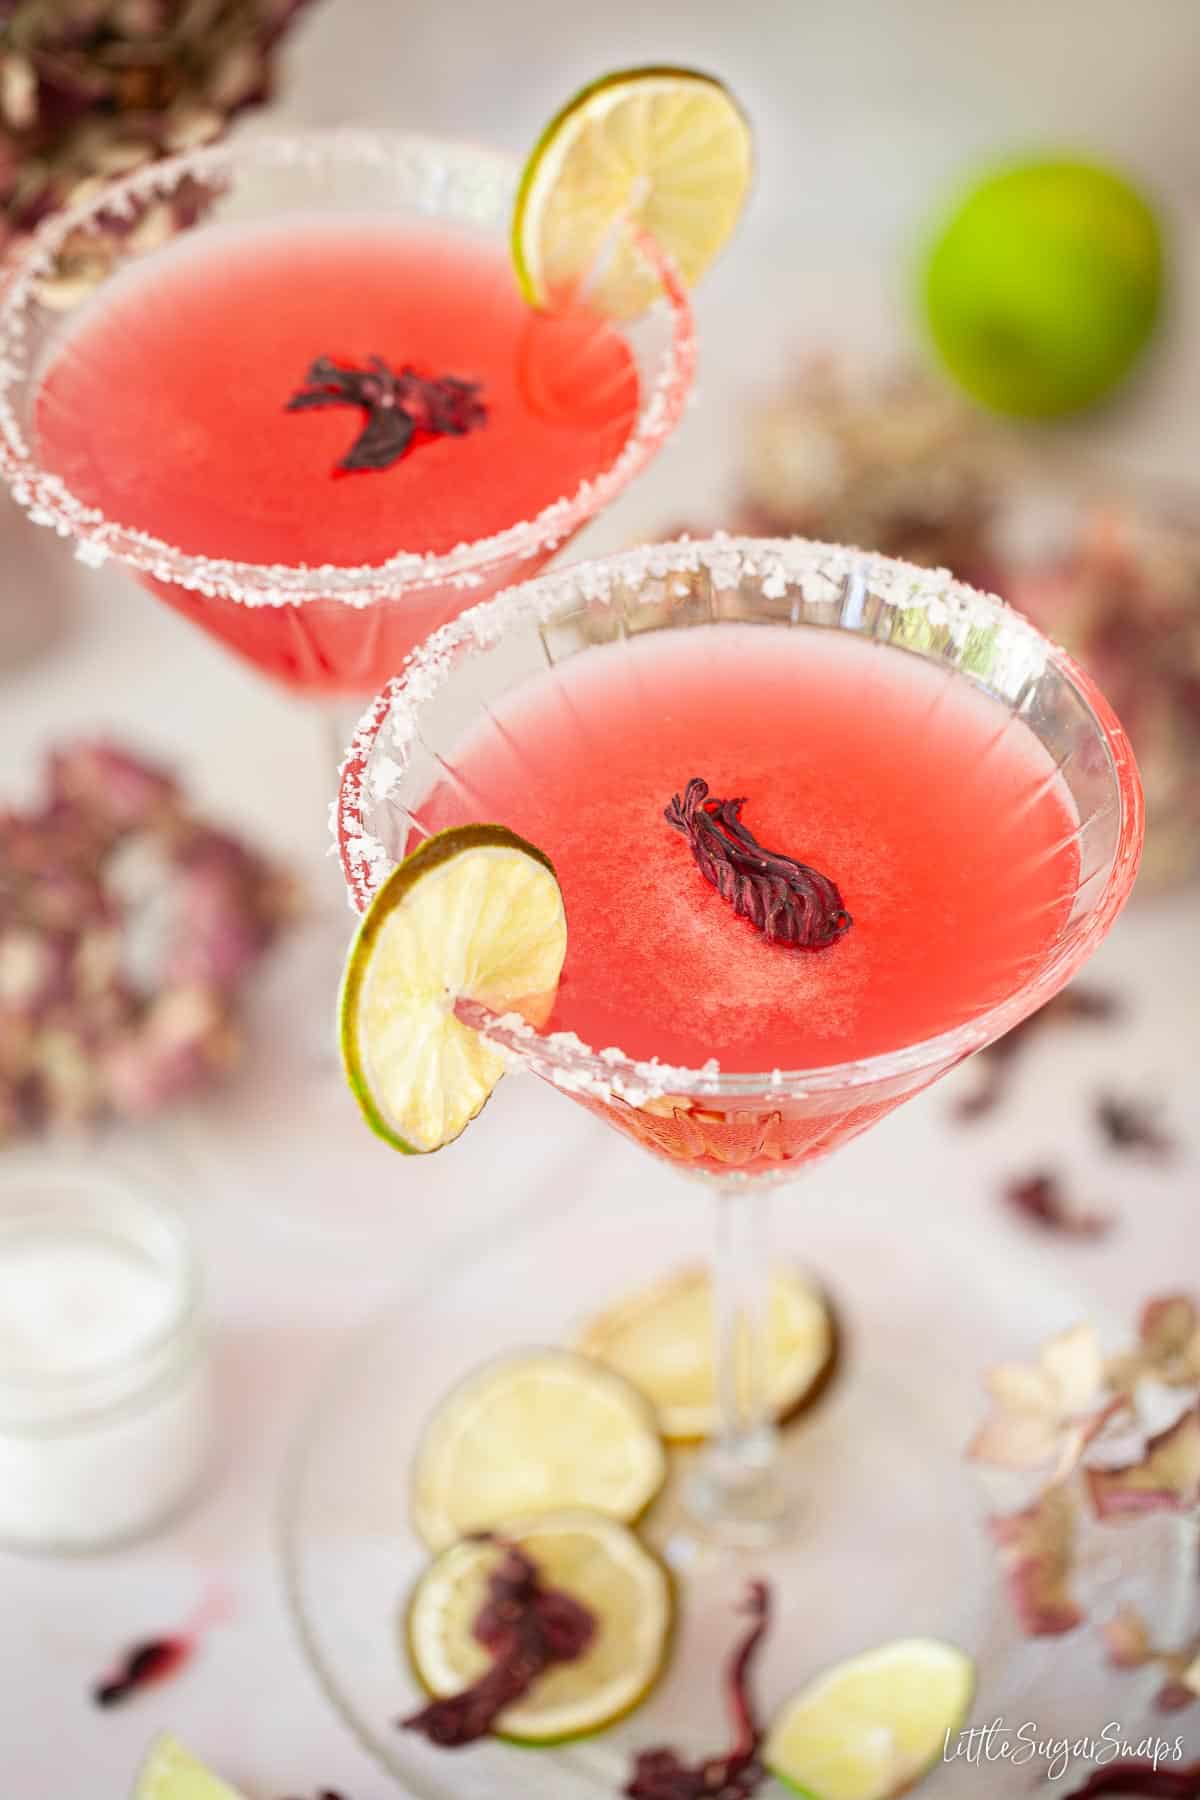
[864, 1516]
[327, 631]
[742, 1133]
[323, 628]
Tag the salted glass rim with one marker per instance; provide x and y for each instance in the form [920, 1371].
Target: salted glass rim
[48, 500]
[563, 1058]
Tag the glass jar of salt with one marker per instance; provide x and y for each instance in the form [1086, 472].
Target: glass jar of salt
[104, 1400]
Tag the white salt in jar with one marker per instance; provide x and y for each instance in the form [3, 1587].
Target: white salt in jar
[104, 1393]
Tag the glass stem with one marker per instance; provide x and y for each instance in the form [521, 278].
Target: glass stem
[737, 1494]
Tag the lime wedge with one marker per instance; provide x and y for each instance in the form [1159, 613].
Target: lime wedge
[533, 1433]
[661, 1339]
[600, 1563]
[871, 1727]
[474, 913]
[172, 1773]
[666, 152]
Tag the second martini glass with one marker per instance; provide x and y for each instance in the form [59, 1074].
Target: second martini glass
[1066, 871]
[572, 707]
[322, 578]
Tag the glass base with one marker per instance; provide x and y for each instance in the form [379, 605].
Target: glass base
[888, 1533]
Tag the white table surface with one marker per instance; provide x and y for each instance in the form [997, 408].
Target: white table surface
[306, 1224]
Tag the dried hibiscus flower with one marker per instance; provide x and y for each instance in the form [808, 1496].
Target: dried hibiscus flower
[526, 1628]
[663, 1775]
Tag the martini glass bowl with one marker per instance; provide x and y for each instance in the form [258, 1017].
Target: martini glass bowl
[323, 631]
[865, 1518]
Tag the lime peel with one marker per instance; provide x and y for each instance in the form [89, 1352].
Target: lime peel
[606, 1569]
[474, 913]
[656, 154]
[871, 1727]
[535, 1432]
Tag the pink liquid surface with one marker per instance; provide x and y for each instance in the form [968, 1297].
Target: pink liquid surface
[164, 408]
[941, 819]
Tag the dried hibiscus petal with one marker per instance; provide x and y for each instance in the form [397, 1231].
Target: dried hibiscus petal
[155, 1660]
[397, 407]
[527, 1628]
[663, 1775]
[788, 902]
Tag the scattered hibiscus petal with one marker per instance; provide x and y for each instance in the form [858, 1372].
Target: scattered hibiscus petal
[158, 1659]
[663, 1775]
[1037, 1549]
[1076, 1004]
[1130, 1124]
[1141, 1781]
[526, 1628]
[155, 1660]
[1043, 1198]
[1166, 1478]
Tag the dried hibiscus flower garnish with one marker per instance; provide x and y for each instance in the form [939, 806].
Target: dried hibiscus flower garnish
[526, 1628]
[397, 407]
[788, 902]
[663, 1775]
[1043, 1199]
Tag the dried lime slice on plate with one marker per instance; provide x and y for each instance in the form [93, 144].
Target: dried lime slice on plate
[172, 1773]
[598, 1562]
[474, 913]
[531, 1433]
[661, 1339]
[662, 151]
[871, 1727]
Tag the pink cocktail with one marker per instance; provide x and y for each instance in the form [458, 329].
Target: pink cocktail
[941, 819]
[191, 363]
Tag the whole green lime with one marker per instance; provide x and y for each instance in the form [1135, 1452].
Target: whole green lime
[1044, 285]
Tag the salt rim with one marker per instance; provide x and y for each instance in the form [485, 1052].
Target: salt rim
[1020, 650]
[479, 184]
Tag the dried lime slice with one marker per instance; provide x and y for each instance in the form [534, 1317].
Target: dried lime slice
[172, 1773]
[871, 1727]
[661, 151]
[474, 913]
[532, 1433]
[598, 1562]
[661, 1339]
